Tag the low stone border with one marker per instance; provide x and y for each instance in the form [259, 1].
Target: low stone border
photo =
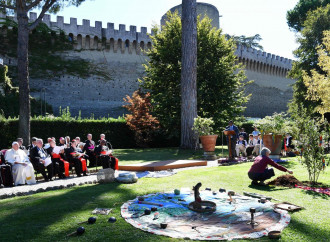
[8, 192]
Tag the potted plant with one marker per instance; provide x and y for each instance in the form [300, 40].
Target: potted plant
[272, 129]
[203, 127]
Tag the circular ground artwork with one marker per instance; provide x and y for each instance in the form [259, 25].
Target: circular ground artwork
[229, 221]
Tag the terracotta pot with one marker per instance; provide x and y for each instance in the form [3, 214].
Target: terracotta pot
[273, 144]
[208, 142]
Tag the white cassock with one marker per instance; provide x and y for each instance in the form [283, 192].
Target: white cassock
[21, 173]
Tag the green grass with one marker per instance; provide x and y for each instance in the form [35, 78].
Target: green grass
[130, 156]
[51, 215]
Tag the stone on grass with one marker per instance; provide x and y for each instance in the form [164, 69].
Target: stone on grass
[106, 175]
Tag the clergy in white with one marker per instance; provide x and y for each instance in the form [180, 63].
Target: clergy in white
[22, 168]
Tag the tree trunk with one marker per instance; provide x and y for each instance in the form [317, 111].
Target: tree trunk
[189, 74]
[23, 74]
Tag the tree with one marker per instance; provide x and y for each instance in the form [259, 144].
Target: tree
[309, 133]
[297, 16]
[189, 74]
[318, 84]
[309, 38]
[140, 121]
[220, 86]
[248, 42]
[21, 9]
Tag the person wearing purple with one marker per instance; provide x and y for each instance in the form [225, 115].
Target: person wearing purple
[259, 172]
[89, 149]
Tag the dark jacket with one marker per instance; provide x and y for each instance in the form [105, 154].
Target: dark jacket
[37, 154]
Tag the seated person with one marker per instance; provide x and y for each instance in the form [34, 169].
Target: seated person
[33, 144]
[242, 132]
[288, 146]
[258, 144]
[259, 170]
[89, 149]
[6, 178]
[20, 143]
[61, 142]
[102, 137]
[75, 158]
[241, 146]
[104, 155]
[22, 168]
[58, 163]
[250, 146]
[47, 145]
[38, 159]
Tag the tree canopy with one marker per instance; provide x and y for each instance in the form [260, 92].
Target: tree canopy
[318, 84]
[220, 81]
[297, 16]
[248, 42]
[309, 38]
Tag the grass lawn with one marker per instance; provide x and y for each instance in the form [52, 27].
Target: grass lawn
[51, 215]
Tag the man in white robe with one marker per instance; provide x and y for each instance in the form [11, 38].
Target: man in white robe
[22, 168]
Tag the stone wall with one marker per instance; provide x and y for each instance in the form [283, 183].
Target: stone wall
[121, 54]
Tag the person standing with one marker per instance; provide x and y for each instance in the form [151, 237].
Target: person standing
[22, 168]
[233, 139]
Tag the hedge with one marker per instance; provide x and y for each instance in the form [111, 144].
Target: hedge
[116, 130]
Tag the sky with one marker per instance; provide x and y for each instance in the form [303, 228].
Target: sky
[239, 17]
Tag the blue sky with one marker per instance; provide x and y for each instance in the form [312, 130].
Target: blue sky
[239, 17]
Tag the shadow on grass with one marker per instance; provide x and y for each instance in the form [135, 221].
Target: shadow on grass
[315, 194]
[32, 217]
[268, 188]
[309, 230]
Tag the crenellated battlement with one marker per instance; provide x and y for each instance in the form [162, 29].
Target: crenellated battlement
[121, 40]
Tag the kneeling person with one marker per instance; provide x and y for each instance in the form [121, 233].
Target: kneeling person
[259, 170]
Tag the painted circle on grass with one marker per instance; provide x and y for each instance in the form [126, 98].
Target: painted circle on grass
[228, 222]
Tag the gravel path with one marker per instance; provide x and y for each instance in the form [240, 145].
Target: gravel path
[71, 181]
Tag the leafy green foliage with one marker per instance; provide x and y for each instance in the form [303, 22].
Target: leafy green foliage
[297, 16]
[247, 42]
[310, 131]
[203, 126]
[309, 39]
[47, 56]
[9, 103]
[219, 79]
[278, 123]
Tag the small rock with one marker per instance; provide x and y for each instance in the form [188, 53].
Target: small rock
[40, 190]
[90, 182]
[94, 182]
[80, 184]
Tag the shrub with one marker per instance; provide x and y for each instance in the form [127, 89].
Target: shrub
[140, 121]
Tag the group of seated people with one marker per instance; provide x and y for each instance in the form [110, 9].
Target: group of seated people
[248, 145]
[56, 159]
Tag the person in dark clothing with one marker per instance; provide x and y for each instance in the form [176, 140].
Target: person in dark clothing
[37, 157]
[89, 149]
[20, 144]
[33, 144]
[104, 155]
[245, 135]
[58, 165]
[259, 170]
[107, 143]
[233, 139]
[75, 158]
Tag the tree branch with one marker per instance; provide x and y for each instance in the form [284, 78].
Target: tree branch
[45, 8]
[32, 5]
[7, 6]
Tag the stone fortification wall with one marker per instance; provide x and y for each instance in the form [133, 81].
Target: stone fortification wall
[121, 54]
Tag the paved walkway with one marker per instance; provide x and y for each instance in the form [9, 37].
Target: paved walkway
[42, 186]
